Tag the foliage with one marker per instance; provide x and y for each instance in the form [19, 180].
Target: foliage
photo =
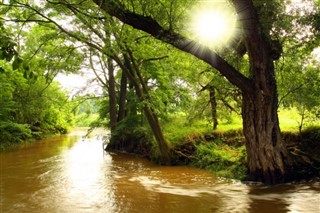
[174, 84]
[224, 160]
[299, 88]
[13, 133]
[311, 135]
[32, 105]
[132, 138]
[177, 129]
[85, 120]
[7, 49]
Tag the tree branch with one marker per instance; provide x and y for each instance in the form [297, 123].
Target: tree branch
[74, 9]
[62, 29]
[24, 21]
[288, 93]
[155, 59]
[149, 25]
[95, 72]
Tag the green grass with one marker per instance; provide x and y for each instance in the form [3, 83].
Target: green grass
[84, 120]
[218, 155]
[178, 128]
[223, 160]
[289, 119]
[235, 123]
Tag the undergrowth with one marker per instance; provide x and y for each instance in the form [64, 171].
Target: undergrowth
[224, 160]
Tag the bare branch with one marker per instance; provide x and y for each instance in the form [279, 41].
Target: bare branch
[95, 72]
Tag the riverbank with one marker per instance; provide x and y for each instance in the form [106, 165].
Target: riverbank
[223, 152]
[71, 173]
[13, 134]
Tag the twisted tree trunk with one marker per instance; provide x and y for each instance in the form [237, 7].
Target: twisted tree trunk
[268, 158]
[267, 155]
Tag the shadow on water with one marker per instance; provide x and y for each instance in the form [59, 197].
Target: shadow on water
[72, 174]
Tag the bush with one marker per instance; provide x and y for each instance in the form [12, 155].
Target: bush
[132, 138]
[224, 160]
[311, 134]
[13, 133]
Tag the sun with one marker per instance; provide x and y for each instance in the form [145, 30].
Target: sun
[213, 25]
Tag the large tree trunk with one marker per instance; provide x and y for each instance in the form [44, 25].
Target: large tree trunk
[268, 158]
[267, 155]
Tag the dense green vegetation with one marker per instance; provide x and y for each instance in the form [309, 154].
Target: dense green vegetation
[32, 104]
[30, 107]
[156, 79]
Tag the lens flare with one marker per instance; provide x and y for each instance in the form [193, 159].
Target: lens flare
[213, 25]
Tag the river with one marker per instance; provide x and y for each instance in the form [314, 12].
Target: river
[70, 173]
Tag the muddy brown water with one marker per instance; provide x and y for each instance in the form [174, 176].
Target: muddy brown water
[70, 173]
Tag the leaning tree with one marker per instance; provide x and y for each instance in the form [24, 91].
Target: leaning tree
[268, 159]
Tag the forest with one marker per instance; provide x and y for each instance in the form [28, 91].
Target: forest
[245, 105]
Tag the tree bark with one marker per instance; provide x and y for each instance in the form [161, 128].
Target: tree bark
[268, 158]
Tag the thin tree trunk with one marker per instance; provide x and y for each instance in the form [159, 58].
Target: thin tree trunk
[302, 113]
[122, 97]
[112, 96]
[142, 93]
[132, 102]
[213, 103]
[157, 132]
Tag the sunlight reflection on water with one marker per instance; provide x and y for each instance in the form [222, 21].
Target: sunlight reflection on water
[73, 174]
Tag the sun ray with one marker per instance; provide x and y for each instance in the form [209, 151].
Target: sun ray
[212, 24]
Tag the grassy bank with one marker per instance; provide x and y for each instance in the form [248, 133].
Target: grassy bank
[223, 151]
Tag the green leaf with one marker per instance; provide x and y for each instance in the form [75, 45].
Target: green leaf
[17, 62]
[1, 55]
[26, 66]
[2, 70]
[7, 56]
[25, 74]
[33, 75]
